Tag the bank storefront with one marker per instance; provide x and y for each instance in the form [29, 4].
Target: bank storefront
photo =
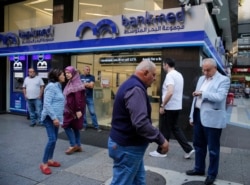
[112, 47]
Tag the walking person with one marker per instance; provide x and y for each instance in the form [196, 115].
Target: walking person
[208, 116]
[52, 116]
[74, 109]
[33, 87]
[172, 92]
[89, 81]
[131, 127]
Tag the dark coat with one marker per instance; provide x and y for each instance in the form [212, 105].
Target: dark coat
[75, 101]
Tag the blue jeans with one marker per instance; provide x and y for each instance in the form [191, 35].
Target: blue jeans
[52, 133]
[205, 137]
[128, 166]
[91, 108]
[73, 136]
[35, 110]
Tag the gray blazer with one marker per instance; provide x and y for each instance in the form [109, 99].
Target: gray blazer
[213, 107]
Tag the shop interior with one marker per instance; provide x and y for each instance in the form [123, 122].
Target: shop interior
[110, 71]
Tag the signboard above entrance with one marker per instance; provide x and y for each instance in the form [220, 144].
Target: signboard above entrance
[130, 59]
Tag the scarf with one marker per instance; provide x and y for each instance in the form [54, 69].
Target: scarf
[74, 84]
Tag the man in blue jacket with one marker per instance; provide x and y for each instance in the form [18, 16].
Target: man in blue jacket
[208, 116]
[132, 128]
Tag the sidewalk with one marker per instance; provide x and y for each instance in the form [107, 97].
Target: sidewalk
[22, 148]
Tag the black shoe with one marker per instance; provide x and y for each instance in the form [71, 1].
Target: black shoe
[209, 180]
[193, 172]
[32, 125]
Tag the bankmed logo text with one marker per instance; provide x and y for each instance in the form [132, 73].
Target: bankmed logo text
[9, 39]
[102, 27]
[37, 35]
[152, 23]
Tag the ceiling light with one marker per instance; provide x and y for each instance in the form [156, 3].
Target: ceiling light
[89, 4]
[97, 14]
[48, 9]
[135, 10]
[36, 2]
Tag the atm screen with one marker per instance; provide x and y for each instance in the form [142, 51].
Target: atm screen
[44, 76]
[18, 81]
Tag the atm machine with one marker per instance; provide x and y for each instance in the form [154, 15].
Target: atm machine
[42, 65]
[18, 72]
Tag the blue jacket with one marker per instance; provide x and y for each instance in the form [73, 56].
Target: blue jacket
[53, 104]
[131, 119]
[213, 107]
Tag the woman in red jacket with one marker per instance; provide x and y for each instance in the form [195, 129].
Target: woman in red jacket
[74, 107]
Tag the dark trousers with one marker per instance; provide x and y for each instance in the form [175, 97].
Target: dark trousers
[170, 124]
[206, 137]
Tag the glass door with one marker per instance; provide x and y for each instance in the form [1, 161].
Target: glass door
[110, 71]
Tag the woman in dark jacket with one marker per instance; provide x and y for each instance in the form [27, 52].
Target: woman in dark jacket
[74, 107]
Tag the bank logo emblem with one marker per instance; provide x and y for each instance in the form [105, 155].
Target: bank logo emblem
[102, 27]
[17, 65]
[9, 39]
[42, 64]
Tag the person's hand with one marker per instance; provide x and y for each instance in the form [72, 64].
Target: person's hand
[197, 93]
[56, 122]
[86, 85]
[161, 110]
[164, 147]
[78, 114]
[191, 123]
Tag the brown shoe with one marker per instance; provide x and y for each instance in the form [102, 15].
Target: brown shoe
[78, 149]
[70, 150]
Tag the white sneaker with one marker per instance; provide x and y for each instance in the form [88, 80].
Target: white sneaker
[188, 155]
[157, 154]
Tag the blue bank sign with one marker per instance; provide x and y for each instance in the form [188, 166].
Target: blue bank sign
[37, 35]
[150, 30]
[167, 21]
[30, 36]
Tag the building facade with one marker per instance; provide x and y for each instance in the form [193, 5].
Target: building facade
[111, 38]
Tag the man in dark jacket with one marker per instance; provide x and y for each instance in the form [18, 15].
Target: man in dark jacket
[132, 128]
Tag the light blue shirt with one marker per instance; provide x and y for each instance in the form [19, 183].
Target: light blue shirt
[53, 105]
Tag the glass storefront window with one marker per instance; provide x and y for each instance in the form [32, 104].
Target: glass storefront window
[110, 73]
[89, 9]
[28, 14]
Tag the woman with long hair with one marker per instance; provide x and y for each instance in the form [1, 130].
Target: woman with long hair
[52, 116]
[74, 109]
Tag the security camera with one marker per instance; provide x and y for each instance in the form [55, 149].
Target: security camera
[216, 10]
